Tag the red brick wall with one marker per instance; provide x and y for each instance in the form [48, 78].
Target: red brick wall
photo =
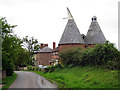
[44, 58]
[62, 47]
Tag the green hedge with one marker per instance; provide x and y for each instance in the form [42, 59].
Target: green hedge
[28, 67]
[53, 67]
[10, 69]
[71, 56]
[102, 54]
[33, 68]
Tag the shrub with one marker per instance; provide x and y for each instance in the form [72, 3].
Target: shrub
[71, 56]
[29, 67]
[53, 67]
[10, 69]
[112, 65]
[39, 69]
[49, 69]
[102, 54]
[36, 68]
[33, 68]
[85, 57]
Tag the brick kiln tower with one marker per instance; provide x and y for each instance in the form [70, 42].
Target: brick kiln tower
[71, 36]
[94, 34]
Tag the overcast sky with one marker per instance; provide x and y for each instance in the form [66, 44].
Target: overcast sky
[43, 19]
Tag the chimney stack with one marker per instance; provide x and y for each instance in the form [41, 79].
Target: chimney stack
[53, 45]
[46, 45]
[41, 46]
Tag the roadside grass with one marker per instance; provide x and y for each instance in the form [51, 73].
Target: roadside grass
[8, 80]
[83, 77]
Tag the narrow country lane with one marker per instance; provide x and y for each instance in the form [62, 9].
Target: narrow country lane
[26, 79]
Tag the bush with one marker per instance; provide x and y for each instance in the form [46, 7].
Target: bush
[112, 65]
[10, 69]
[29, 67]
[102, 54]
[71, 56]
[53, 67]
[33, 68]
[36, 68]
[39, 69]
[85, 58]
[49, 69]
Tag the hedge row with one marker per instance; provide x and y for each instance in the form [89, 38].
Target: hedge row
[102, 54]
[53, 67]
[48, 69]
[34, 68]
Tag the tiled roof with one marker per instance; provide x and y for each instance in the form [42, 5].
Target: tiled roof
[94, 34]
[45, 49]
[71, 34]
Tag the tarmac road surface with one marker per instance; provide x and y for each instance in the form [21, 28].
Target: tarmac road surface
[26, 79]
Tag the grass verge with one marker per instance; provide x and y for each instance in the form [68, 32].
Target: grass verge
[8, 80]
[83, 77]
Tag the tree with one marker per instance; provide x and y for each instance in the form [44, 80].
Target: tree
[31, 44]
[22, 57]
[6, 46]
[6, 28]
[13, 54]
